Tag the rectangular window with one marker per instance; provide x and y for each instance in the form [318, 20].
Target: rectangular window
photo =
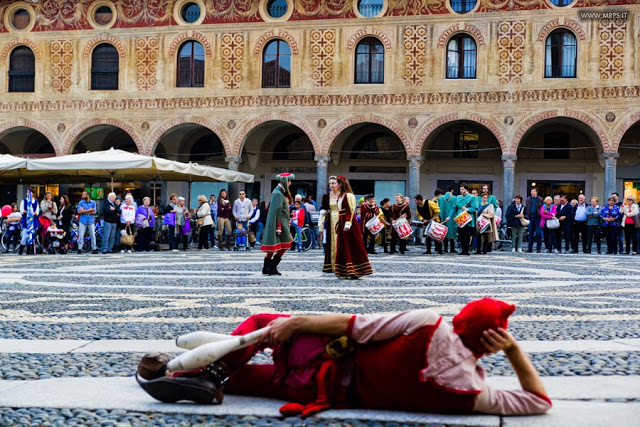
[466, 144]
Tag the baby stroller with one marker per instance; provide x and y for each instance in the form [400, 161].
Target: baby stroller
[54, 244]
[241, 241]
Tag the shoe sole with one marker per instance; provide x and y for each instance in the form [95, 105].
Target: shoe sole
[168, 391]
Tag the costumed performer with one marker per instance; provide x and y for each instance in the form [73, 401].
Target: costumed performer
[399, 210]
[368, 211]
[409, 361]
[344, 252]
[466, 202]
[276, 237]
[447, 204]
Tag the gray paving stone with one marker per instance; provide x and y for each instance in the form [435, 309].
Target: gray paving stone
[588, 414]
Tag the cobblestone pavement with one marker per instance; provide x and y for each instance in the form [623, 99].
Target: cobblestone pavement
[586, 307]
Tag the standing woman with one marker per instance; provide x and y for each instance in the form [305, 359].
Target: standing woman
[593, 225]
[182, 229]
[277, 237]
[610, 215]
[203, 215]
[224, 223]
[549, 211]
[65, 215]
[488, 237]
[48, 207]
[145, 221]
[345, 254]
[128, 218]
[630, 216]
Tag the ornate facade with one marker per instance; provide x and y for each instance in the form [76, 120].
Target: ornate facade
[514, 123]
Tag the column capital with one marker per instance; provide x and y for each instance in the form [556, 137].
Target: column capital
[415, 161]
[610, 159]
[610, 155]
[233, 159]
[509, 160]
[323, 161]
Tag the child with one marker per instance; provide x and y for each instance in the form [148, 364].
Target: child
[13, 227]
[55, 233]
[241, 235]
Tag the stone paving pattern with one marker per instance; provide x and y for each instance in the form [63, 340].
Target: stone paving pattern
[159, 296]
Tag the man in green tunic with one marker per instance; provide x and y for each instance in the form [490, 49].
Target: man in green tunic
[447, 204]
[276, 238]
[466, 202]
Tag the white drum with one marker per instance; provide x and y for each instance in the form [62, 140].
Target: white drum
[484, 224]
[436, 231]
[403, 228]
[374, 225]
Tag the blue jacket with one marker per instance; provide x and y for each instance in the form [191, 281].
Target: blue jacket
[593, 215]
[610, 212]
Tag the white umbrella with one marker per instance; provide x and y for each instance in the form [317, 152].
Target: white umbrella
[11, 167]
[122, 164]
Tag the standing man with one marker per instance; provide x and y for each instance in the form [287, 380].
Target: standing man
[242, 209]
[399, 210]
[447, 204]
[427, 211]
[386, 218]
[111, 216]
[213, 205]
[87, 211]
[565, 215]
[368, 211]
[276, 236]
[580, 225]
[466, 202]
[532, 209]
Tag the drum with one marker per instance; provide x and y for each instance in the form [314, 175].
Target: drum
[403, 228]
[436, 231]
[484, 224]
[374, 225]
[463, 219]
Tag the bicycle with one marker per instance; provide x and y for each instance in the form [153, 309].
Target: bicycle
[307, 238]
[73, 236]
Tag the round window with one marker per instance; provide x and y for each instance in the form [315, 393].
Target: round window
[20, 19]
[370, 8]
[463, 6]
[103, 15]
[277, 8]
[190, 12]
[561, 3]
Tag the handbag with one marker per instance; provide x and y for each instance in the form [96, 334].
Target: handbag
[636, 221]
[553, 223]
[252, 237]
[524, 221]
[127, 239]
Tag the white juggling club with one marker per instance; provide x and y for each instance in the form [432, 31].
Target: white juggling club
[196, 339]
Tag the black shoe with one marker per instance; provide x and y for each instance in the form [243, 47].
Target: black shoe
[171, 390]
[426, 253]
[265, 266]
[538, 251]
[440, 252]
[273, 266]
[79, 251]
[95, 251]
[529, 251]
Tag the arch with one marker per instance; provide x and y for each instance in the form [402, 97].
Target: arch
[532, 121]
[631, 121]
[347, 123]
[16, 42]
[88, 48]
[72, 138]
[454, 29]
[165, 127]
[372, 32]
[438, 122]
[35, 126]
[251, 125]
[270, 35]
[190, 35]
[562, 23]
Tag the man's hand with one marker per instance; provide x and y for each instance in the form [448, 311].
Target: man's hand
[281, 330]
[496, 340]
[562, 218]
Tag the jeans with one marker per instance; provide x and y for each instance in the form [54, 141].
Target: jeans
[108, 236]
[299, 237]
[620, 242]
[516, 237]
[593, 233]
[212, 233]
[13, 236]
[259, 232]
[535, 234]
[567, 235]
[82, 230]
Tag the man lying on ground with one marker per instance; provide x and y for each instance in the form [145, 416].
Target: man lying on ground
[410, 361]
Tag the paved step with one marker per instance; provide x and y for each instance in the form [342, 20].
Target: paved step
[168, 346]
[124, 393]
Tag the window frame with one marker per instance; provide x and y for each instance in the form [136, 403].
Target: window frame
[94, 71]
[369, 42]
[278, 55]
[14, 75]
[192, 68]
[560, 52]
[460, 54]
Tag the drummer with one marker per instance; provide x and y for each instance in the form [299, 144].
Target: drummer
[468, 203]
[400, 210]
[368, 211]
[427, 211]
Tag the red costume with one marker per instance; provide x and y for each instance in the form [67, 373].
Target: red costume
[410, 361]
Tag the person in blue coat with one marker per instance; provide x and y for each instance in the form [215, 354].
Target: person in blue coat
[466, 202]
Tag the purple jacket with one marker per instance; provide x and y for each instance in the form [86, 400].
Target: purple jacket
[546, 214]
[142, 213]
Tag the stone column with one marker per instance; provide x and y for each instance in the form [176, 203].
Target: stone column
[610, 162]
[233, 163]
[508, 178]
[322, 176]
[415, 162]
